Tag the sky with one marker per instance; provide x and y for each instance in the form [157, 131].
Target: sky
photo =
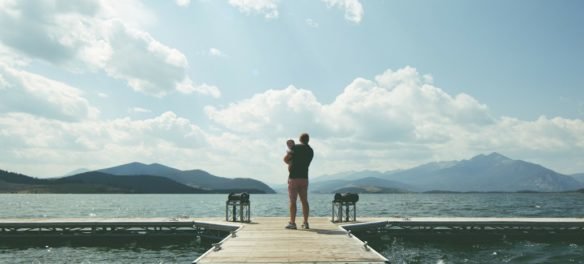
[221, 85]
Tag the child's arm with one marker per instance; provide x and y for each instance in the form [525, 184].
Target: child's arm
[288, 158]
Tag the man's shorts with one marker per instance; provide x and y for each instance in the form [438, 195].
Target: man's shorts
[297, 187]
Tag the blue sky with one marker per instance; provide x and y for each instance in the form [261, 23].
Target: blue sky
[220, 85]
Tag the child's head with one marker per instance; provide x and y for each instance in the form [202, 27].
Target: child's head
[290, 143]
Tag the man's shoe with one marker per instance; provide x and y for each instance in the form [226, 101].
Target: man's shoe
[305, 226]
[291, 226]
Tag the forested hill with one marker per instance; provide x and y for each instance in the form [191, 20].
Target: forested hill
[92, 182]
[194, 178]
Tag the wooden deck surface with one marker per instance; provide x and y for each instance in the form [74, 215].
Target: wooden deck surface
[265, 240]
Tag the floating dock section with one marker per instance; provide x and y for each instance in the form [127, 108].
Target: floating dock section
[113, 227]
[454, 224]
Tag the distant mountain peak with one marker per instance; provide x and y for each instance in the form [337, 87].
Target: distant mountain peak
[77, 171]
[134, 163]
[138, 168]
[493, 157]
[497, 155]
[160, 166]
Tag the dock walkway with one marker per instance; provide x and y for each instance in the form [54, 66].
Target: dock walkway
[266, 241]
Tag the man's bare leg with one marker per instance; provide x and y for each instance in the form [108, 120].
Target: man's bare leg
[293, 212]
[305, 208]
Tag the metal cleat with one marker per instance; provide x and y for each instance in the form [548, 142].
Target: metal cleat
[216, 246]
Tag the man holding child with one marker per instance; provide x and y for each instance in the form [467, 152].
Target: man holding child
[298, 159]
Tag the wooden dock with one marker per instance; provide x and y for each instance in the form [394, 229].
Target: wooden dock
[265, 240]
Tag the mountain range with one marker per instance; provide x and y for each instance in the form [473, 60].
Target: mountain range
[132, 178]
[193, 178]
[373, 182]
[91, 182]
[482, 173]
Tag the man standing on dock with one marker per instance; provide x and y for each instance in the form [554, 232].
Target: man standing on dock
[302, 155]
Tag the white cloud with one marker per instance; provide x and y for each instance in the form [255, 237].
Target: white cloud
[187, 87]
[10, 58]
[132, 12]
[274, 112]
[30, 93]
[139, 110]
[42, 142]
[183, 3]
[147, 65]
[268, 8]
[353, 9]
[34, 28]
[395, 120]
[216, 52]
[94, 35]
[397, 103]
[51, 147]
[399, 119]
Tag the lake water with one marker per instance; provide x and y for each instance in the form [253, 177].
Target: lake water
[397, 249]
